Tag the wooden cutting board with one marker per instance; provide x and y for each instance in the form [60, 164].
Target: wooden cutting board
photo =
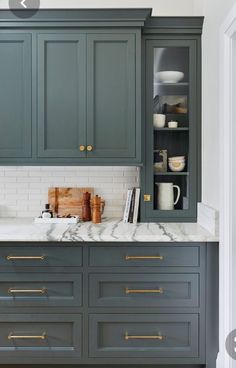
[65, 201]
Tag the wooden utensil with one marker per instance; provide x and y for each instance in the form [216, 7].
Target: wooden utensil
[96, 210]
[86, 207]
[64, 201]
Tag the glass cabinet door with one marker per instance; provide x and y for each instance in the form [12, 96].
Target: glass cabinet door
[171, 132]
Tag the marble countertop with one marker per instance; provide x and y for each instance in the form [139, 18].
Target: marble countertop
[109, 230]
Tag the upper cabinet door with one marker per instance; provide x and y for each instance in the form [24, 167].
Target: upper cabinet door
[111, 95]
[61, 95]
[15, 95]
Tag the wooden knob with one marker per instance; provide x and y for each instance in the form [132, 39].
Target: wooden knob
[82, 148]
[89, 148]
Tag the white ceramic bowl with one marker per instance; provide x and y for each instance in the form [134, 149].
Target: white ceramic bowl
[169, 76]
[176, 158]
[172, 124]
[177, 166]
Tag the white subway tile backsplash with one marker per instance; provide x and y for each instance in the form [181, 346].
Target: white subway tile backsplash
[27, 179]
[101, 179]
[16, 173]
[9, 191]
[23, 189]
[6, 179]
[18, 186]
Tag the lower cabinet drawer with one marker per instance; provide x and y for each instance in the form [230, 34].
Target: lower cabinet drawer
[146, 256]
[40, 289]
[140, 335]
[39, 256]
[40, 335]
[144, 290]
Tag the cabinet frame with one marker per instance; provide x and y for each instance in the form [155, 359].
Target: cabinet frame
[193, 42]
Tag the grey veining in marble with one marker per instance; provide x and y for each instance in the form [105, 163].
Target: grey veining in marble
[110, 230]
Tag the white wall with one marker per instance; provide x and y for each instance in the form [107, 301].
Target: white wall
[198, 7]
[160, 7]
[215, 11]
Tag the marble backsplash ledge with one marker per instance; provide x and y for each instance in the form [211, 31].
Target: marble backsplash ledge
[208, 218]
[24, 189]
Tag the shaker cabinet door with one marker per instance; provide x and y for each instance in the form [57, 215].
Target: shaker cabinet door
[61, 95]
[111, 95]
[15, 95]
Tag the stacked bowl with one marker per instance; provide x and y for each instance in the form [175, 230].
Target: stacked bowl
[177, 163]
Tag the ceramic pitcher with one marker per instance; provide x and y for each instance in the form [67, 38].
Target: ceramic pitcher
[166, 196]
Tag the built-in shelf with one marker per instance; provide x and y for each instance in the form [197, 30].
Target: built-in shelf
[184, 129]
[174, 116]
[171, 84]
[171, 173]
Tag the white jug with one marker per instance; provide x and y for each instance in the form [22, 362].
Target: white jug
[165, 198]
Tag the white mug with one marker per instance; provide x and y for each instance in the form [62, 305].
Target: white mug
[165, 196]
[159, 120]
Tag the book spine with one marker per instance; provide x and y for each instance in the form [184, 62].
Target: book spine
[136, 205]
[131, 212]
[127, 205]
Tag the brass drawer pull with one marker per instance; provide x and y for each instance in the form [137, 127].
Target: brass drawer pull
[140, 291]
[27, 337]
[23, 258]
[27, 291]
[141, 337]
[130, 258]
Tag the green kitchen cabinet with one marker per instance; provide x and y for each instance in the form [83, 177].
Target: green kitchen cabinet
[86, 101]
[111, 95]
[71, 87]
[87, 96]
[109, 304]
[15, 95]
[61, 95]
[169, 49]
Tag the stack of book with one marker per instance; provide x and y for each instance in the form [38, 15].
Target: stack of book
[131, 212]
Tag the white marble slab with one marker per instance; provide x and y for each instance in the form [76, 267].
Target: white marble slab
[13, 229]
[113, 230]
[208, 217]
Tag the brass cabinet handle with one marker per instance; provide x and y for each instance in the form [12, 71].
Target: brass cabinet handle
[82, 148]
[27, 337]
[23, 258]
[130, 258]
[27, 291]
[143, 291]
[147, 198]
[142, 337]
[89, 148]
